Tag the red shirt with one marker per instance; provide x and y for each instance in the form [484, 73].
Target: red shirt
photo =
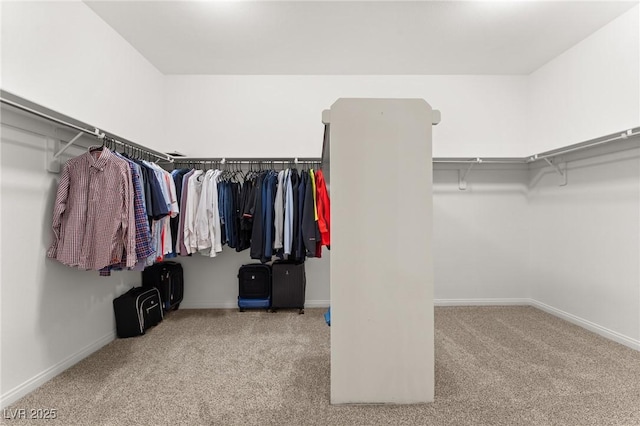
[324, 209]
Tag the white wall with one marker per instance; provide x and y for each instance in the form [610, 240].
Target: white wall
[480, 236]
[51, 315]
[267, 116]
[585, 243]
[59, 54]
[591, 90]
[584, 238]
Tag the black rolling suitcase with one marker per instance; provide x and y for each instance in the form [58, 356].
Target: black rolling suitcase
[288, 285]
[254, 286]
[136, 311]
[254, 281]
[168, 278]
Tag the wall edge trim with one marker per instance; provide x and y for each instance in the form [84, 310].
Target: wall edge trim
[44, 376]
[588, 325]
[234, 304]
[482, 302]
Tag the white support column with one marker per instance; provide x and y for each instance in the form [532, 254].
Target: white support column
[382, 330]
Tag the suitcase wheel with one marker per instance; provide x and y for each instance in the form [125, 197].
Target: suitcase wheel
[241, 309]
[301, 311]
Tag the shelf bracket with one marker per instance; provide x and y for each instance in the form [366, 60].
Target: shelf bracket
[562, 173]
[463, 174]
[53, 153]
[64, 148]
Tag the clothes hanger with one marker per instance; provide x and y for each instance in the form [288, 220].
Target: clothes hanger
[241, 173]
[96, 148]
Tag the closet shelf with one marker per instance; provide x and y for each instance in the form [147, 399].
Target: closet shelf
[15, 101]
[607, 144]
[546, 156]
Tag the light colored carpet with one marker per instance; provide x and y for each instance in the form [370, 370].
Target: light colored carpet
[494, 366]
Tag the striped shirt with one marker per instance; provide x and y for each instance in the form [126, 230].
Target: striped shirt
[93, 214]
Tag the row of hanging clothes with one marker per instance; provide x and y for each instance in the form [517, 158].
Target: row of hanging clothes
[113, 210]
[272, 213]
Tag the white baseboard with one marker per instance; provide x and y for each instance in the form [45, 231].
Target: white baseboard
[317, 303]
[208, 305]
[39, 379]
[598, 329]
[234, 304]
[482, 302]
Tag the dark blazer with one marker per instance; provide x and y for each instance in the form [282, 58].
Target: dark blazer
[257, 242]
[310, 232]
[300, 253]
[269, 217]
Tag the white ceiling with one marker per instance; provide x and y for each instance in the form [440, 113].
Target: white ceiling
[343, 37]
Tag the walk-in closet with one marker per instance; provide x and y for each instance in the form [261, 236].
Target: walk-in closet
[444, 197]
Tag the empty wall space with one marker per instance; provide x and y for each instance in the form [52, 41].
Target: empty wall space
[591, 90]
[585, 243]
[276, 115]
[584, 240]
[480, 236]
[63, 56]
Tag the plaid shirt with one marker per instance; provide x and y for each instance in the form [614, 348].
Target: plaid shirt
[143, 234]
[93, 214]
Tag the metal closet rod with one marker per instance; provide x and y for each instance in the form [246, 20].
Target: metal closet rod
[614, 137]
[95, 133]
[246, 160]
[478, 160]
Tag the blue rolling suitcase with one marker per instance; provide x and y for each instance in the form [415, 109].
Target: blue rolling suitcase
[253, 303]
